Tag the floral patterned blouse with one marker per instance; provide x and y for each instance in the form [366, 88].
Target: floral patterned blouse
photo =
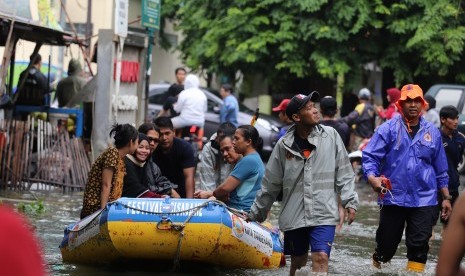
[108, 159]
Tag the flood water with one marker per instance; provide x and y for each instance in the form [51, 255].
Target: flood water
[351, 253]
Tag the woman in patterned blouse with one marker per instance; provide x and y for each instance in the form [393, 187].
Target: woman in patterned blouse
[105, 181]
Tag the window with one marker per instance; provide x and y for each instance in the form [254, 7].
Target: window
[211, 105]
[448, 96]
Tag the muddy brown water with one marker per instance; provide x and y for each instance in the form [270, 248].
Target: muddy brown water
[351, 253]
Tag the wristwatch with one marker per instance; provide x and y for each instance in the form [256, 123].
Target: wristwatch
[448, 197]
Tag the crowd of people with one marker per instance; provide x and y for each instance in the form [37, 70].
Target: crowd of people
[409, 162]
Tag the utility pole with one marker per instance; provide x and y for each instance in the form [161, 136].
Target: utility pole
[148, 70]
[151, 21]
[89, 27]
[61, 53]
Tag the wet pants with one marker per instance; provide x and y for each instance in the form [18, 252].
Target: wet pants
[419, 222]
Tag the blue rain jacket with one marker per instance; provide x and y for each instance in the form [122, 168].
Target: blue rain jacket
[416, 167]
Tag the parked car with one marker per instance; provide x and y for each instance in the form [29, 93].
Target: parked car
[267, 126]
[451, 94]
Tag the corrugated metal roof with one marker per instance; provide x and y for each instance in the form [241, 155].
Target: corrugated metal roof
[27, 30]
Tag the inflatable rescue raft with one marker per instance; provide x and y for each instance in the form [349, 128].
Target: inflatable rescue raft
[171, 229]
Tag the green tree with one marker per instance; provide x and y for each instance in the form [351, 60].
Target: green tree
[417, 39]
[425, 40]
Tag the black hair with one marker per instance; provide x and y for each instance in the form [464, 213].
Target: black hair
[250, 132]
[175, 89]
[431, 101]
[227, 87]
[35, 59]
[328, 111]
[163, 122]
[145, 127]
[123, 134]
[448, 112]
[226, 129]
[222, 137]
[143, 137]
[180, 69]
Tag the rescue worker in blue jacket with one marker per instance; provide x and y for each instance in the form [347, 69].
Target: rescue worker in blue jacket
[408, 151]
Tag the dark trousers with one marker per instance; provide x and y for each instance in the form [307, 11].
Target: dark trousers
[419, 221]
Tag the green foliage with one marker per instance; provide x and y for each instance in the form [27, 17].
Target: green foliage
[279, 38]
[32, 209]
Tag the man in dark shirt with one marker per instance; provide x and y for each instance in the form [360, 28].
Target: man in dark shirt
[175, 157]
[362, 119]
[34, 86]
[454, 145]
[328, 109]
[173, 92]
[168, 106]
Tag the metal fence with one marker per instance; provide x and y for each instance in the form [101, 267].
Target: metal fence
[35, 153]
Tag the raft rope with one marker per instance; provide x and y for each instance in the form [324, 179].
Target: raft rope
[180, 227]
[237, 212]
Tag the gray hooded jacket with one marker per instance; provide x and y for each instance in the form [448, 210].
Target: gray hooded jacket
[212, 167]
[70, 86]
[310, 186]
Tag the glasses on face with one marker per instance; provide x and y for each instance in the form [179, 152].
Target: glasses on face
[155, 140]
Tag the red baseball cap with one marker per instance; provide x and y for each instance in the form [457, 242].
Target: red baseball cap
[282, 106]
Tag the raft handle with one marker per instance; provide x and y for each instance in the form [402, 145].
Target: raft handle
[165, 223]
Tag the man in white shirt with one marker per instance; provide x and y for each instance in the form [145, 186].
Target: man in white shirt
[191, 105]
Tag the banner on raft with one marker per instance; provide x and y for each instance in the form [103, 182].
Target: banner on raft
[252, 234]
[142, 207]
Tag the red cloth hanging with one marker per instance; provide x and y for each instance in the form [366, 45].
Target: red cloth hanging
[129, 71]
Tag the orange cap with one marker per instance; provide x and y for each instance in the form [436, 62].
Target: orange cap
[411, 91]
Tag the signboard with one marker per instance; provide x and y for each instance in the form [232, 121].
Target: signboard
[252, 234]
[151, 14]
[121, 18]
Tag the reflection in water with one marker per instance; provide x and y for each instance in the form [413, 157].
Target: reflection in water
[351, 254]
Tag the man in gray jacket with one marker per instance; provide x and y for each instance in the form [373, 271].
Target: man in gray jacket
[311, 165]
[213, 170]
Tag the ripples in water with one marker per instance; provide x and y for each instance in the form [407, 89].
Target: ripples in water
[351, 254]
